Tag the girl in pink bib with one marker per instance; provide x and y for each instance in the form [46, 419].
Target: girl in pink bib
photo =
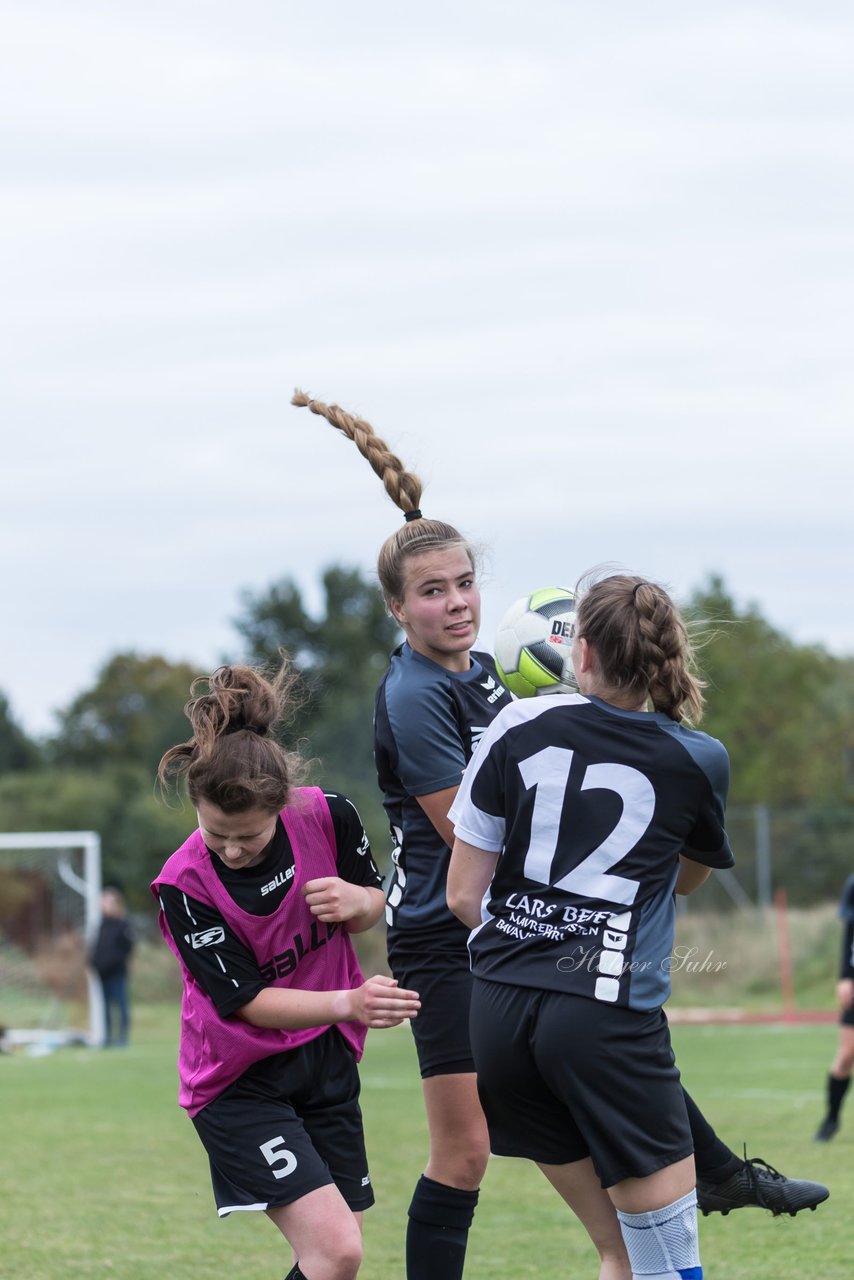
[258, 905]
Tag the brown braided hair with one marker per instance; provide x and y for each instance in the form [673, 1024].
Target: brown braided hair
[642, 643]
[232, 760]
[404, 488]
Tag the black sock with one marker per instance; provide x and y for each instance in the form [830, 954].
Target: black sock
[437, 1234]
[837, 1087]
[713, 1159]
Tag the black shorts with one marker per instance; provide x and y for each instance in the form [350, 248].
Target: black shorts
[561, 1077]
[442, 977]
[288, 1125]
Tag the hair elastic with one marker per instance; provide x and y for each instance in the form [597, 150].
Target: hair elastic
[260, 729]
[414, 514]
[636, 588]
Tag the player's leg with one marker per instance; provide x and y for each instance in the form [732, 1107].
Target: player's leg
[328, 1105]
[579, 1186]
[311, 1182]
[714, 1160]
[110, 1019]
[839, 1080]
[459, 1141]
[614, 1068]
[445, 1196]
[122, 995]
[658, 1220]
[530, 1117]
[323, 1233]
[725, 1181]
[267, 1162]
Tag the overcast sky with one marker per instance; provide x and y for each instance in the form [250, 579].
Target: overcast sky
[588, 268]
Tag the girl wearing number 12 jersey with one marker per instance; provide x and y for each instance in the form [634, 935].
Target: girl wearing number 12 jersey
[578, 818]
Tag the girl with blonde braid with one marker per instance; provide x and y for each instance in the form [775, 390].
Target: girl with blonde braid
[435, 700]
[433, 704]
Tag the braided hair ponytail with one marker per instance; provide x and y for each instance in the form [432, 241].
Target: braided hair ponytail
[642, 643]
[404, 488]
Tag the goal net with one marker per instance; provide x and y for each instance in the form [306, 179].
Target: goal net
[50, 906]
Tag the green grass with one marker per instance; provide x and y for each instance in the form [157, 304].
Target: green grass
[103, 1175]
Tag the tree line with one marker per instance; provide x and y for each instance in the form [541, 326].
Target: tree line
[784, 710]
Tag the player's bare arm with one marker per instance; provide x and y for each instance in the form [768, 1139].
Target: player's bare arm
[469, 876]
[436, 805]
[336, 901]
[691, 875]
[378, 1002]
[845, 992]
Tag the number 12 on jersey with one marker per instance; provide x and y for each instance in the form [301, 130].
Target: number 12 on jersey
[547, 773]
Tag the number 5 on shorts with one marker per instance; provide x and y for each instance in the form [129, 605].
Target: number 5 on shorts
[274, 1151]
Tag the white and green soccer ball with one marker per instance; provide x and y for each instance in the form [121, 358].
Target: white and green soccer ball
[533, 643]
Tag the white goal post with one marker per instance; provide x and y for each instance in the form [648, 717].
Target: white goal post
[50, 909]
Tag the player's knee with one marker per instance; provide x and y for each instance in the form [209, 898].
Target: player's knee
[457, 1166]
[471, 1165]
[349, 1264]
[459, 1162]
[662, 1244]
[349, 1253]
[337, 1256]
[345, 1263]
[460, 1169]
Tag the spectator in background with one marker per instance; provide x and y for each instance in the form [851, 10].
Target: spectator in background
[110, 958]
[839, 1079]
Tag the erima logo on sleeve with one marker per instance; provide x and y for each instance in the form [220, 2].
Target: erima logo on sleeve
[498, 689]
[207, 938]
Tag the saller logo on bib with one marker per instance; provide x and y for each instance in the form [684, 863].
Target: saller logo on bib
[282, 878]
[286, 961]
[207, 938]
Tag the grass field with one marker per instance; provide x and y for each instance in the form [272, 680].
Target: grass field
[103, 1176]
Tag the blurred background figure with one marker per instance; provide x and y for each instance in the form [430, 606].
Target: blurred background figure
[110, 958]
[839, 1078]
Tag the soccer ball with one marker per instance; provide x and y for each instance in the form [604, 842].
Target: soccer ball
[533, 642]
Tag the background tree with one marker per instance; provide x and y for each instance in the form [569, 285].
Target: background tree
[778, 706]
[785, 712]
[786, 715]
[17, 751]
[341, 656]
[132, 713]
[137, 830]
[101, 766]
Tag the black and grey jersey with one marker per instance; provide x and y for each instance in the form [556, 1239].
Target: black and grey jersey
[427, 722]
[589, 808]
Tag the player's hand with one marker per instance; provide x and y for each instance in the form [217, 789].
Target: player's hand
[380, 1002]
[333, 900]
[845, 992]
